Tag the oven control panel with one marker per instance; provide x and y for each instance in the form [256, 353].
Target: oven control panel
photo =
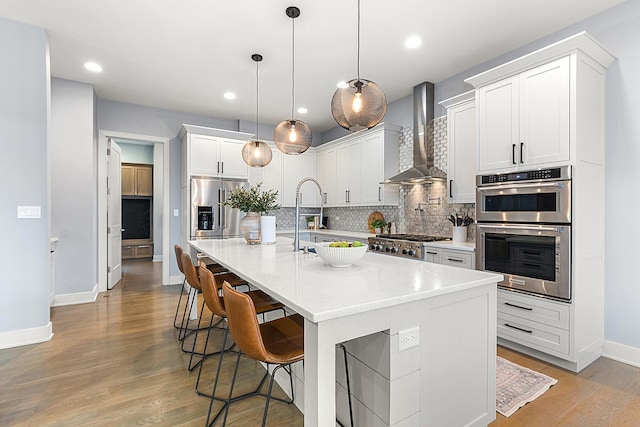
[531, 175]
[396, 247]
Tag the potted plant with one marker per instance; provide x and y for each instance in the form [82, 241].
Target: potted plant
[310, 222]
[378, 225]
[255, 202]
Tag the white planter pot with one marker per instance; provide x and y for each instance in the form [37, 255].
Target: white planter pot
[268, 229]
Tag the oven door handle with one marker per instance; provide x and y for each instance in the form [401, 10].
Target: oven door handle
[518, 186]
[520, 227]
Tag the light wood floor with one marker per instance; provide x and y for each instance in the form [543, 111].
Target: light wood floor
[116, 362]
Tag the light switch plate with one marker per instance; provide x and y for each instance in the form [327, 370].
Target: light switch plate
[176, 212]
[29, 212]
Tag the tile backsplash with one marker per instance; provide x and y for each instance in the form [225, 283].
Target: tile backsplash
[428, 218]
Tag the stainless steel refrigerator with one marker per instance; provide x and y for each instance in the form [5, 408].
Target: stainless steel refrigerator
[210, 220]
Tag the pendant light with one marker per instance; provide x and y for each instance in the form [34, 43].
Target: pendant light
[256, 153]
[361, 104]
[292, 136]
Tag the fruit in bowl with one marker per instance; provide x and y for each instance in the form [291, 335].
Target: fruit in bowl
[341, 254]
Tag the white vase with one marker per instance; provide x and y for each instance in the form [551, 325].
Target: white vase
[268, 229]
[250, 228]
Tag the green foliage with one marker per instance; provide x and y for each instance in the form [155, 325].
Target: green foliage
[378, 223]
[253, 200]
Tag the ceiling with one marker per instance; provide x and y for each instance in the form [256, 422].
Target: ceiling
[184, 55]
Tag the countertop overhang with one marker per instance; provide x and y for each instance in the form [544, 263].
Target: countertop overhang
[319, 292]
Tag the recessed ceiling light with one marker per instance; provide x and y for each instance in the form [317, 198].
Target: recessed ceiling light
[412, 42]
[302, 110]
[230, 95]
[92, 66]
[343, 85]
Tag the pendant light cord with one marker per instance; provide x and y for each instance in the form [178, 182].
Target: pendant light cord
[358, 40]
[257, 102]
[293, 64]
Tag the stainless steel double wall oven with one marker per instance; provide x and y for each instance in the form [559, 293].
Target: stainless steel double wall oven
[524, 230]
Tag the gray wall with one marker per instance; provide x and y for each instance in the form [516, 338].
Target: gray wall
[73, 185]
[24, 253]
[618, 29]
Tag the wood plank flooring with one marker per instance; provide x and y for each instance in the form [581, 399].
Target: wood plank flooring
[116, 362]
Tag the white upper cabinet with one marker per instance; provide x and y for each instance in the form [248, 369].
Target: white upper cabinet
[294, 168]
[270, 175]
[213, 152]
[350, 169]
[327, 175]
[523, 120]
[461, 148]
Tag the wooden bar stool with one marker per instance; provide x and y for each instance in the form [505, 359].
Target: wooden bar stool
[211, 290]
[279, 342]
[193, 280]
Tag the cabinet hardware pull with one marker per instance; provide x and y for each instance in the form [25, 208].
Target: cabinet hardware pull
[346, 196]
[521, 146]
[455, 260]
[518, 306]
[325, 197]
[513, 153]
[143, 246]
[432, 253]
[218, 167]
[519, 329]
[379, 197]
[450, 188]
[222, 171]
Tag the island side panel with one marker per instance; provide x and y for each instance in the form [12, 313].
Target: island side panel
[458, 358]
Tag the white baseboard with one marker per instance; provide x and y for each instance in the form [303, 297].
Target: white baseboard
[26, 336]
[77, 298]
[176, 280]
[622, 353]
[158, 258]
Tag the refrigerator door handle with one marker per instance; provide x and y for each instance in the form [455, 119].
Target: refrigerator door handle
[223, 215]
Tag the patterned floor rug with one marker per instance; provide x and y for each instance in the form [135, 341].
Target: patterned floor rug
[516, 386]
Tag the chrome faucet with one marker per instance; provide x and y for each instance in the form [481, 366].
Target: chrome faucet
[296, 237]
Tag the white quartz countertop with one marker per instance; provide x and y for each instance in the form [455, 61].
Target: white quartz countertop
[320, 292]
[330, 232]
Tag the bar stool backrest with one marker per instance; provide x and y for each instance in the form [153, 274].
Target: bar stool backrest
[190, 272]
[211, 291]
[179, 252]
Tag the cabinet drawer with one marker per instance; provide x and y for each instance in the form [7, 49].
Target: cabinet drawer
[533, 334]
[144, 251]
[127, 252]
[535, 309]
[457, 259]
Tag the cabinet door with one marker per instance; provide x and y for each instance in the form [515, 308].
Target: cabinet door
[231, 163]
[144, 180]
[204, 156]
[327, 169]
[128, 180]
[431, 254]
[272, 174]
[461, 150]
[372, 169]
[294, 168]
[544, 114]
[498, 125]
[348, 174]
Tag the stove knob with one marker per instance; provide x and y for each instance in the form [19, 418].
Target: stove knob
[372, 247]
[394, 250]
[412, 252]
[387, 249]
[404, 252]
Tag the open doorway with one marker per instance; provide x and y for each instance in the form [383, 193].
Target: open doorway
[161, 199]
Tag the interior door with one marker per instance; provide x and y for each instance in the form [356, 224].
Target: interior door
[114, 215]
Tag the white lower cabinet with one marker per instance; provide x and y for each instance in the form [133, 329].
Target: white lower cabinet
[452, 257]
[534, 322]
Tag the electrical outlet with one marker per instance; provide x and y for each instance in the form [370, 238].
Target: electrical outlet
[337, 218]
[408, 338]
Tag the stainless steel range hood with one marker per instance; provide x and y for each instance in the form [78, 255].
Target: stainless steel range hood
[423, 169]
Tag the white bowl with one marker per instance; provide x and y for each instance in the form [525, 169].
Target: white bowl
[340, 257]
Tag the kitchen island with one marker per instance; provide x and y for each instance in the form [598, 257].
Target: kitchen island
[448, 368]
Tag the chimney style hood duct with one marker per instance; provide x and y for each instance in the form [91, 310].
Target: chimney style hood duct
[423, 169]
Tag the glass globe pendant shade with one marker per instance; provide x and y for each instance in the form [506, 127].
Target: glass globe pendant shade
[292, 137]
[359, 106]
[256, 154]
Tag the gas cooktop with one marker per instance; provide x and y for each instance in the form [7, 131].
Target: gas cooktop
[402, 245]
